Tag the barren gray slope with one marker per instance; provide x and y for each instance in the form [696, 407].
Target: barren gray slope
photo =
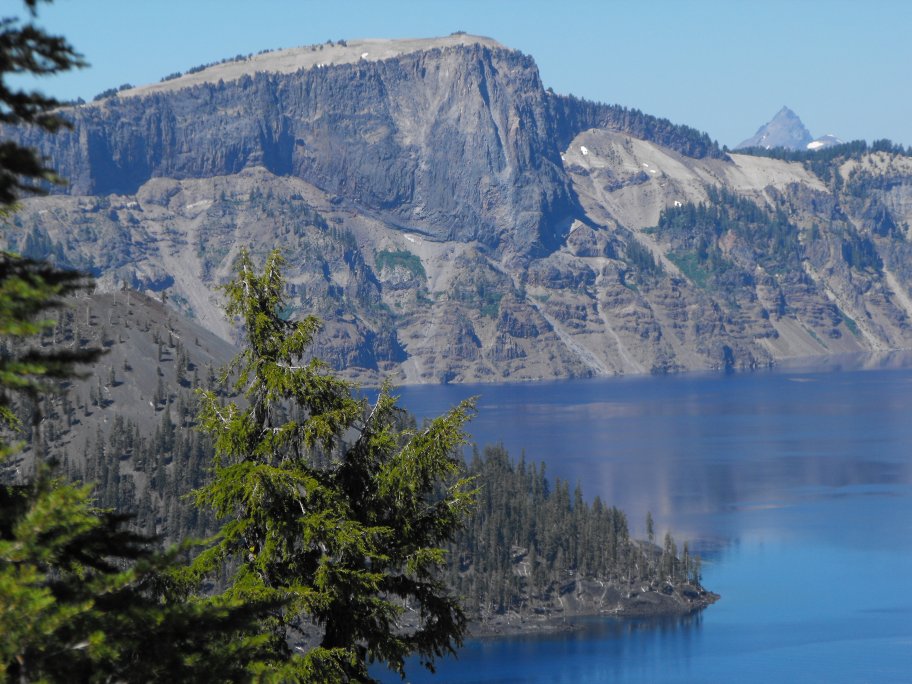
[290, 60]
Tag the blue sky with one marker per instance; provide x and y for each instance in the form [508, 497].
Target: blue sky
[724, 67]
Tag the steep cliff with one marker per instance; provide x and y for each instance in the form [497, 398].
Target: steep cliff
[452, 221]
[453, 141]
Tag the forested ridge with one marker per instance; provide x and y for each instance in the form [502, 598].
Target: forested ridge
[574, 115]
[529, 539]
[532, 540]
[824, 162]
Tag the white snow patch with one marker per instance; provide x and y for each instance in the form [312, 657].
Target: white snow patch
[364, 55]
[196, 205]
[584, 150]
[678, 203]
[816, 145]
[652, 171]
[646, 165]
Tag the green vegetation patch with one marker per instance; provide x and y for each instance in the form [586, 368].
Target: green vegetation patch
[693, 268]
[490, 303]
[850, 323]
[389, 260]
[769, 235]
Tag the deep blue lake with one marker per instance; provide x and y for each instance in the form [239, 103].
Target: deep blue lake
[794, 484]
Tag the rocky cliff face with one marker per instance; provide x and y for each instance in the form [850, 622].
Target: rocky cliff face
[453, 142]
[451, 220]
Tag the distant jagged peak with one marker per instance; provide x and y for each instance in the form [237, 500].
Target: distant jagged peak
[290, 60]
[783, 130]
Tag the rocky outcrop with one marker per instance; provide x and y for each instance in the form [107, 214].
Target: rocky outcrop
[454, 142]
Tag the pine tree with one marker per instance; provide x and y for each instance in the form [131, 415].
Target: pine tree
[327, 505]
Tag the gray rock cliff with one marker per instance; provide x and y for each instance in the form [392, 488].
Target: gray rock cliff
[451, 220]
[453, 142]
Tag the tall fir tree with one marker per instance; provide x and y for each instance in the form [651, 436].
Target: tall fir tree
[329, 505]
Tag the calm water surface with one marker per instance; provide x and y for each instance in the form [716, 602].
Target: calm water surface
[795, 486]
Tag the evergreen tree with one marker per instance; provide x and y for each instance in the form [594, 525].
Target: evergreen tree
[27, 49]
[328, 506]
[81, 597]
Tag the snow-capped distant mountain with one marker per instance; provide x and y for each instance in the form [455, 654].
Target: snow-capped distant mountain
[783, 130]
[824, 141]
[786, 130]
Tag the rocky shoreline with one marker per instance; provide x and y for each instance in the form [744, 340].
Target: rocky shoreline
[585, 599]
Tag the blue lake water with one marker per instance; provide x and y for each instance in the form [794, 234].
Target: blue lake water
[795, 485]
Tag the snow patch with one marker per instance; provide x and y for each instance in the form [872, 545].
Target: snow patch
[816, 145]
[584, 150]
[196, 205]
[364, 55]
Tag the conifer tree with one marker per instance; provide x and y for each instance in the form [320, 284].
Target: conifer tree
[81, 597]
[27, 49]
[329, 505]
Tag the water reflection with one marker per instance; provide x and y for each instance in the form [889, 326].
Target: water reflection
[599, 650]
[691, 449]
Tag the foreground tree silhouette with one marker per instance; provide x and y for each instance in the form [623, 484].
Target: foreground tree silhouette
[82, 598]
[330, 506]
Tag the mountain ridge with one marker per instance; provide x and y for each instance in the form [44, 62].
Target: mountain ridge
[322, 55]
[452, 220]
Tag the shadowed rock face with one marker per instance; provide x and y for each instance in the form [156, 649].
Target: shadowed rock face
[454, 143]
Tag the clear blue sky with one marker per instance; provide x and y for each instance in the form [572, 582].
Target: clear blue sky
[722, 66]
